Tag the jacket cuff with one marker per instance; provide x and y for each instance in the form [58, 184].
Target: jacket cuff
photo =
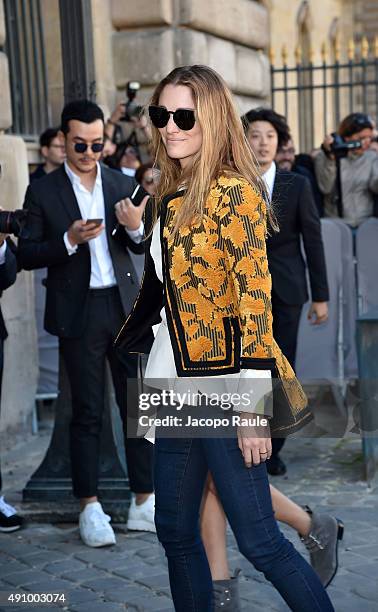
[71, 250]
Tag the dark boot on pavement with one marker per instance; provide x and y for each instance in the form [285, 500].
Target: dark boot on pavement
[226, 594]
[322, 542]
[275, 466]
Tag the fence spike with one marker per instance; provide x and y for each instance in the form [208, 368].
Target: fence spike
[376, 47]
[323, 52]
[364, 48]
[351, 50]
[337, 47]
[284, 55]
[311, 55]
[298, 54]
[272, 55]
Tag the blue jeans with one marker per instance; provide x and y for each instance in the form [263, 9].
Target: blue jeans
[181, 467]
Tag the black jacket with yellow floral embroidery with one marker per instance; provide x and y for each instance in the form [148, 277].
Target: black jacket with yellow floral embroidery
[216, 294]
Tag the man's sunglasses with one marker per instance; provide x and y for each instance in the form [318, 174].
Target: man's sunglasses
[81, 147]
[184, 118]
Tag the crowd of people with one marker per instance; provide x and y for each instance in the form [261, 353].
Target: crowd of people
[230, 203]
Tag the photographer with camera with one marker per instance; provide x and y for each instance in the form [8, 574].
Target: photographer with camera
[347, 170]
[128, 124]
[9, 519]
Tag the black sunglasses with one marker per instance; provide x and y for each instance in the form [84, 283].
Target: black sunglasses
[184, 118]
[81, 147]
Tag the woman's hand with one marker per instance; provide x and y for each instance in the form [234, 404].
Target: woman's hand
[128, 215]
[254, 441]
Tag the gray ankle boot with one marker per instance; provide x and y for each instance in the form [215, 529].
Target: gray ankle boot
[226, 594]
[322, 543]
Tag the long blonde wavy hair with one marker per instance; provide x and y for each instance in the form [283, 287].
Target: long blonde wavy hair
[224, 151]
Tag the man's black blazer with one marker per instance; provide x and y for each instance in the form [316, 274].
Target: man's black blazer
[53, 208]
[8, 273]
[297, 217]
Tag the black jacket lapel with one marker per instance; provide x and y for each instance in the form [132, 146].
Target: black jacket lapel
[109, 190]
[67, 195]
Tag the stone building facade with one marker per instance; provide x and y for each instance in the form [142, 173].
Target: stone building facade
[143, 40]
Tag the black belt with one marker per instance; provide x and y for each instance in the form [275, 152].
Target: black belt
[103, 291]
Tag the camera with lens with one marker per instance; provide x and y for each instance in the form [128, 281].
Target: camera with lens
[133, 110]
[340, 147]
[12, 221]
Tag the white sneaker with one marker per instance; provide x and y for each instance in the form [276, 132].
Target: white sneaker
[9, 519]
[141, 518]
[94, 526]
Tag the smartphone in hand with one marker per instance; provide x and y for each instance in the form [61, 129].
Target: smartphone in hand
[138, 195]
[96, 222]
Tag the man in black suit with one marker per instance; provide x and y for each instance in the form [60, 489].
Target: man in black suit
[9, 519]
[297, 217]
[80, 226]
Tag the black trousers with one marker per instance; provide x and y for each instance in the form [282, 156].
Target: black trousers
[286, 319]
[85, 360]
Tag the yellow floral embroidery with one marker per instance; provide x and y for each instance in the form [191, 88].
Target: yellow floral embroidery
[247, 209]
[253, 284]
[186, 316]
[246, 266]
[204, 308]
[226, 181]
[192, 329]
[260, 232]
[198, 347]
[235, 231]
[180, 265]
[250, 304]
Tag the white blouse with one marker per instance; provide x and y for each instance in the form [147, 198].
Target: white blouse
[161, 363]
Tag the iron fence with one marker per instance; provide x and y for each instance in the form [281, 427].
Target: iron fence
[316, 96]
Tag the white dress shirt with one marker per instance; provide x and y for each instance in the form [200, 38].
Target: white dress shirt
[3, 249]
[269, 177]
[128, 171]
[92, 206]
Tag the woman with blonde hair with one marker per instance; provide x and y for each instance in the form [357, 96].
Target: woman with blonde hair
[207, 283]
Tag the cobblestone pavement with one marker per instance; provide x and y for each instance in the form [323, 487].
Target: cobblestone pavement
[326, 474]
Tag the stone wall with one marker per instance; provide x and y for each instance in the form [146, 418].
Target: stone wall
[366, 15]
[17, 303]
[151, 38]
